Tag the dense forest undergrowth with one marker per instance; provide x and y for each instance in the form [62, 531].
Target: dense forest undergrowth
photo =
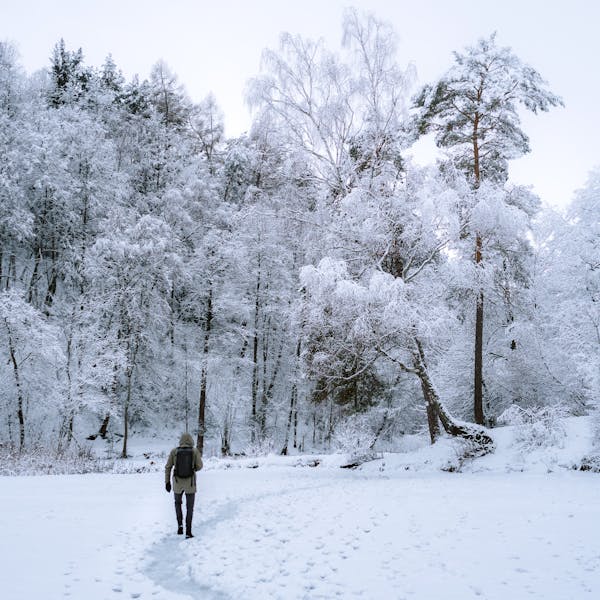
[300, 288]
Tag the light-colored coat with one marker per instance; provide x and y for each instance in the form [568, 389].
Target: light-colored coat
[183, 484]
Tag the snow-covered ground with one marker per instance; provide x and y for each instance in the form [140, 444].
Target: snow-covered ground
[397, 528]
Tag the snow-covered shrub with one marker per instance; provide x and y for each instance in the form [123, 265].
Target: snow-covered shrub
[354, 435]
[38, 460]
[74, 460]
[536, 427]
[260, 447]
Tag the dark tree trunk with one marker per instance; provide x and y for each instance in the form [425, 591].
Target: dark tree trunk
[204, 373]
[172, 317]
[254, 423]
[104, 427]
[70, 428]
[478, 373]
[66, 430]
[296, 424]
[31, 295]
[293, 403]
[262, 404]
[129, 374]
[12, 270]
[126, 421]
[267, 391]
[20, 413]
[65, 435]
[202, 410]
[478, 359]
[290, 419]
[433, 421]
[51, 291]
[476, 167]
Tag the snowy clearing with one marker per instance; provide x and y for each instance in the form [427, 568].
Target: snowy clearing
[293, 532]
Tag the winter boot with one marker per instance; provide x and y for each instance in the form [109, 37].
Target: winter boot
[180, 530]
[188, 534]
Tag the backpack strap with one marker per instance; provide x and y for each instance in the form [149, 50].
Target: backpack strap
[175, 463]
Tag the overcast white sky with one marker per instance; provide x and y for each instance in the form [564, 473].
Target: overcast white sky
[216, 46]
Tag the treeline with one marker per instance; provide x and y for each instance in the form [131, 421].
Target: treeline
[300, 286]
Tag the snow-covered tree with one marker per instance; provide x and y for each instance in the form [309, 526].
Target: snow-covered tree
[473, 112]
[129, 271]
[32, 361]
[265, 290]
[168, 95]
[345, 112]
[69, 76]
[567, 318]
[383, 301]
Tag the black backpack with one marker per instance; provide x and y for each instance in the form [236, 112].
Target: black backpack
[184, 462]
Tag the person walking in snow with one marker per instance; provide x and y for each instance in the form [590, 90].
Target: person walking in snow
[184, 461]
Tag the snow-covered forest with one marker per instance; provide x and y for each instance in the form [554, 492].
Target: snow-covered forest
[303, 287]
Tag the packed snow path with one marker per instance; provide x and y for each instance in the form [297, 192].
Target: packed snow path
[284, 532]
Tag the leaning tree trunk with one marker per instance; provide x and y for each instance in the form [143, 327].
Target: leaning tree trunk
[433, 418]
[104, 426]
[437, 411]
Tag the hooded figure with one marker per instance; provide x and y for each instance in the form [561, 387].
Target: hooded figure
[183, 485]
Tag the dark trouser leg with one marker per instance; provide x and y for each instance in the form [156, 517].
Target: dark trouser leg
[189, 511]
[178, 512]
